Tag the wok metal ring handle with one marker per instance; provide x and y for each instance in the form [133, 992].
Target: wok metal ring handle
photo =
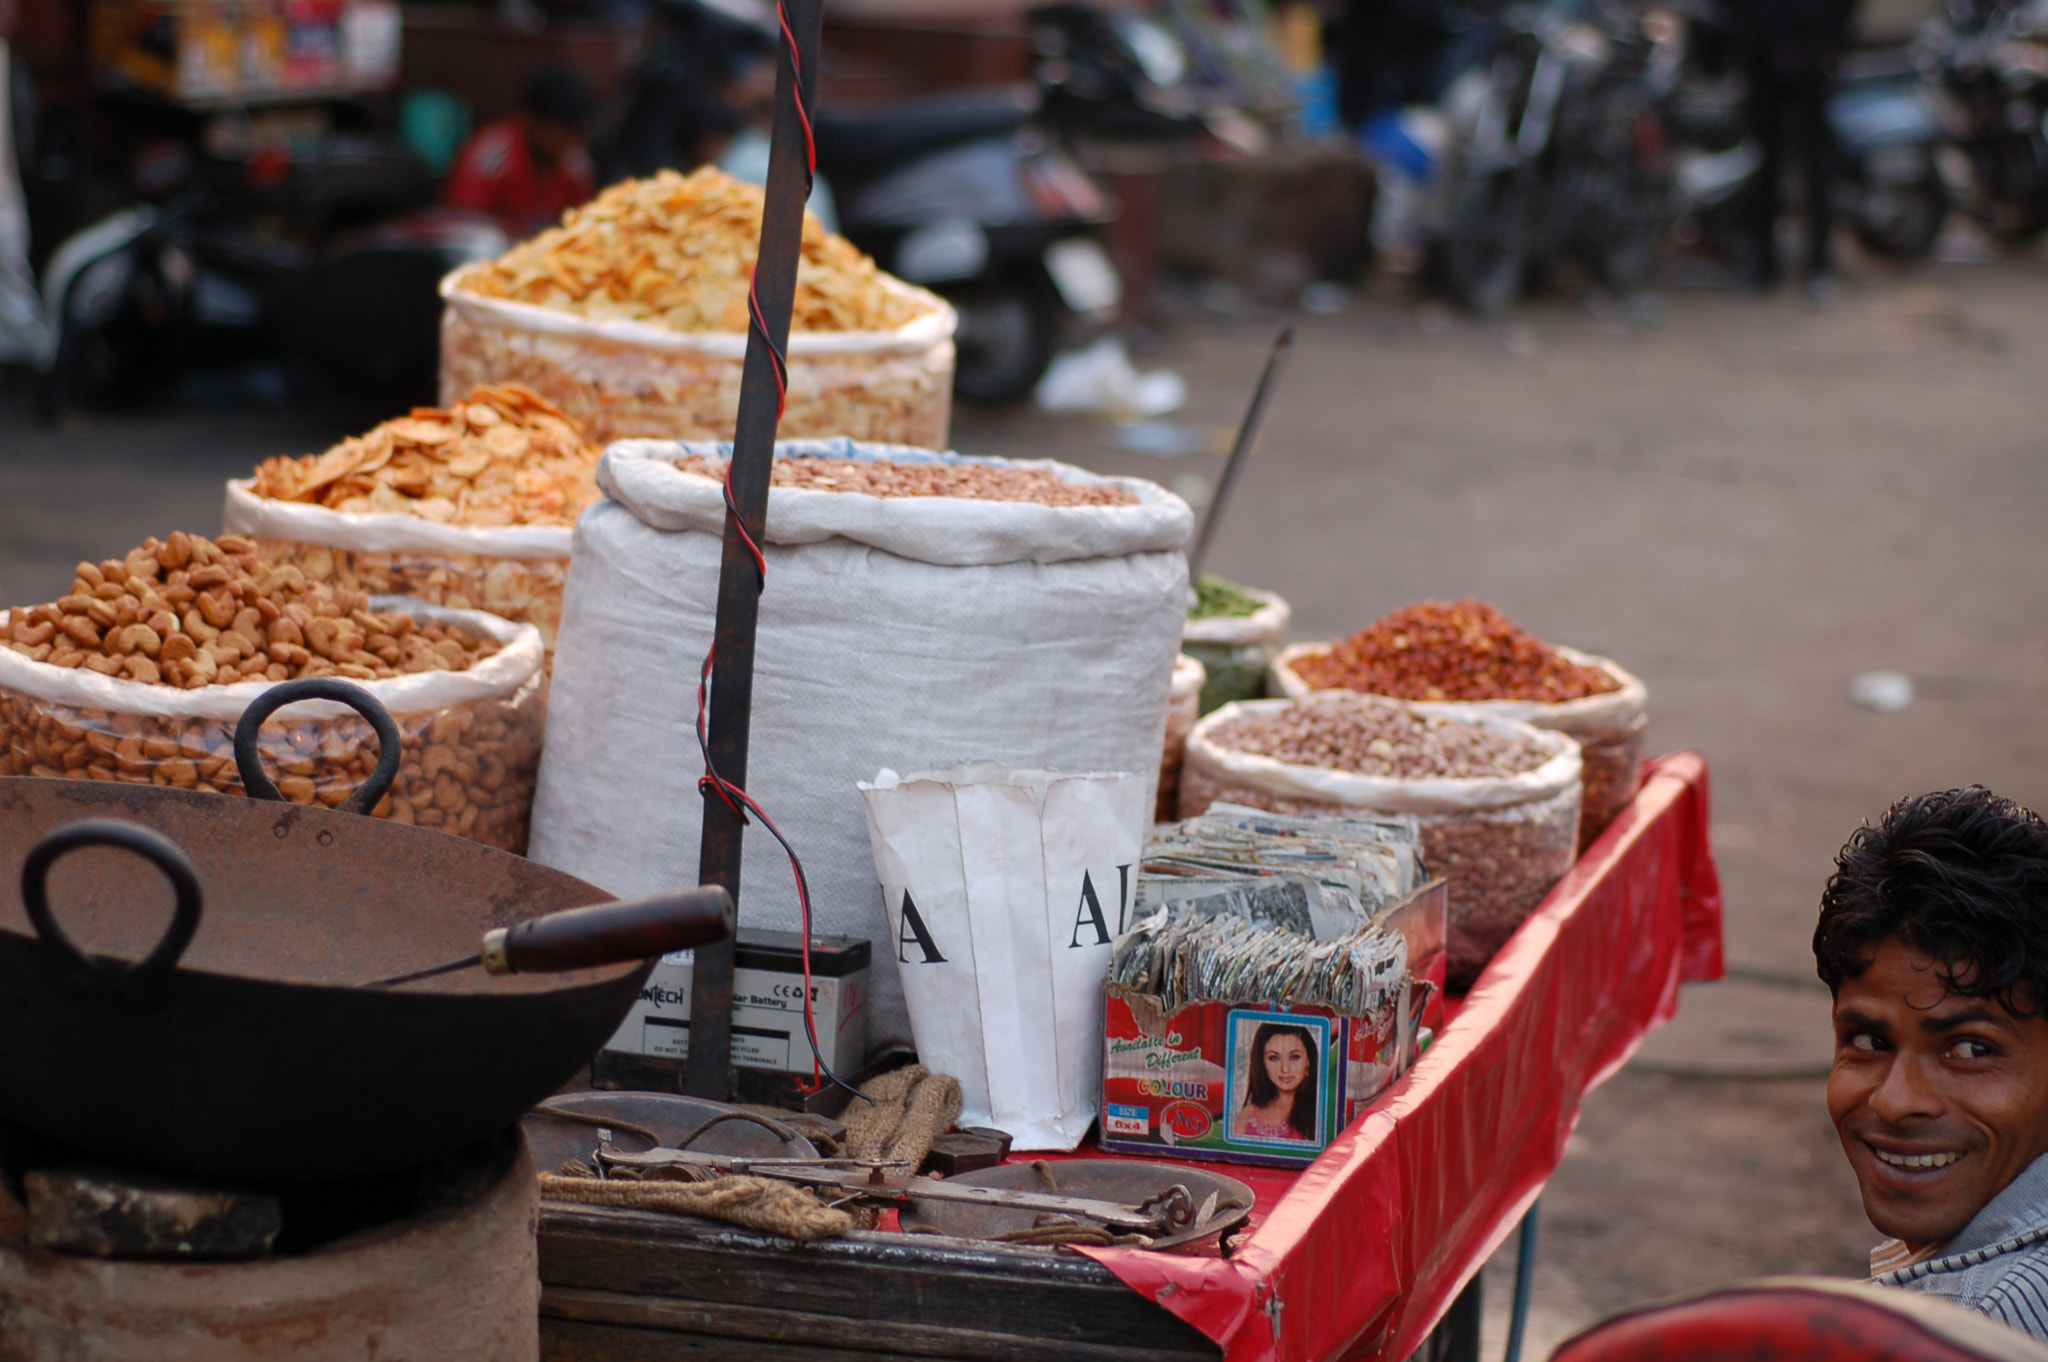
[143, 983]
[249, 761]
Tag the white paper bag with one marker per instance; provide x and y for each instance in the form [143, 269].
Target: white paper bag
[1004, 890]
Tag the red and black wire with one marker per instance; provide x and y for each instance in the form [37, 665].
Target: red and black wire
[736, 799]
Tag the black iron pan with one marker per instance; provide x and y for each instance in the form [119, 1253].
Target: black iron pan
[240, 1042]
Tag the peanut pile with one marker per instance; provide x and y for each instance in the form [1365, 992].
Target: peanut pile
[1466, 650]
[884, 478]
[193, 612]
[1373, 737]
[468, 769]
[503, 456]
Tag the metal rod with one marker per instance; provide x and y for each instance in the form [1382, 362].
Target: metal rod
[473, 962]
[1246, 433]
[708, 1072]
[1525, 1273]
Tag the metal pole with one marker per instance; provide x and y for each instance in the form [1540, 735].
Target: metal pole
[1246, 433]
[1525, 1274]
[709, 1069]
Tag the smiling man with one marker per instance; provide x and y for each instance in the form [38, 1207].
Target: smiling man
[1933, 937]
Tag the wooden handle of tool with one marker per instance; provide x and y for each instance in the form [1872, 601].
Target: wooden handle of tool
[607, 933]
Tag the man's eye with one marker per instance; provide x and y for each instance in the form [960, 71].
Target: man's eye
[1970, 1049]
[1865, 1042]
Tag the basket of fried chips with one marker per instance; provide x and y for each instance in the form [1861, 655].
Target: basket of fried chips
[632, 317]
[471, 507]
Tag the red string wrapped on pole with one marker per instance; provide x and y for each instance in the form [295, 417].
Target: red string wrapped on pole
[722, 722]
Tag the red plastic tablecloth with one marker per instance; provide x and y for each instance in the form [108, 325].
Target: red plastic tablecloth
[1360, 1254]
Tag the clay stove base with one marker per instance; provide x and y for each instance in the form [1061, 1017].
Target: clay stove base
[461, 1283]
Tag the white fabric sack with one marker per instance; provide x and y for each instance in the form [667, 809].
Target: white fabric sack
[949, 531]
[1183, 707]
[1005, 890]
[908, 633]
[1614, 711]
[623, 378]
[383, 532]
[1264, 625]
[1186, 686]
[932, 326]
[1423, 795]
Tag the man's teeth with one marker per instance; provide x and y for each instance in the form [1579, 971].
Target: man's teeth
[1941, 1160]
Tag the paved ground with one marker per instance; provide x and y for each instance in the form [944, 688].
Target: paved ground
[1747, 502]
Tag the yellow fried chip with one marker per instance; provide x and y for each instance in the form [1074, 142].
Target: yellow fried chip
[678, 251]
[467, 466]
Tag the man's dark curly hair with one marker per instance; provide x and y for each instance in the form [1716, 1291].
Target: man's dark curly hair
[1960, 875]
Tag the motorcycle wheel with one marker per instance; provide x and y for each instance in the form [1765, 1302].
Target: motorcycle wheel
[1005, 341]
[2014, 224]
[1485, 247]
[1902, 222]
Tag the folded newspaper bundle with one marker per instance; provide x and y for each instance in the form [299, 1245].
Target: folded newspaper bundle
[1319, 877]
[1225, 958]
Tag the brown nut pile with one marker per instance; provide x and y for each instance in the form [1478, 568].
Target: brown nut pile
[468, 769]
[503, 456]
[1466, 650]
[885, 478]
[526, 590]
[679, 251]
[1374, 737]
[193, 612]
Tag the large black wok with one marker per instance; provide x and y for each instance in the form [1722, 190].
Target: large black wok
[222, 1030]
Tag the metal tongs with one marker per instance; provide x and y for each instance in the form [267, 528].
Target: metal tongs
[882, 1180]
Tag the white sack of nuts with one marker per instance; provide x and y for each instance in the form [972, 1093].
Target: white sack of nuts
[631, 316]
[908, 632]
[1497, 801]
[1610, 727]
[1183, 707]
[471, 719]
[469, 507]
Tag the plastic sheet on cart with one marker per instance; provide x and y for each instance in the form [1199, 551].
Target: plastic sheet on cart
[1367, 1249]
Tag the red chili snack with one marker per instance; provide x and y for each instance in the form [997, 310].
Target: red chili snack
[1466, 650]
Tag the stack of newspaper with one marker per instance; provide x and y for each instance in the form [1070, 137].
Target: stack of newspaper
[1320, 877]
[1241, 905]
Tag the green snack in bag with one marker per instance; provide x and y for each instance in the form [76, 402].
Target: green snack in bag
[1216, 598]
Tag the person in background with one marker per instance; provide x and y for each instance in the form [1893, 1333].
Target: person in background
[1394, 60]
[1933, 938]
[1789, 50]
[22, 332]
[529, 169]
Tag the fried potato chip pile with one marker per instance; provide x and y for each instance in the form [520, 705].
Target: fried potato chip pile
[678, 251]
[503, 457]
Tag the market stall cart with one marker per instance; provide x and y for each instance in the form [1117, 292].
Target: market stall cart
[1357, 1256]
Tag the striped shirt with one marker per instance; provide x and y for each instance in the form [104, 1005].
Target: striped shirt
[1998, 1264]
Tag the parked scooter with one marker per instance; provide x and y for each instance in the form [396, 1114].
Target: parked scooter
[978, 197]
[1991, 63]
[178, 283]
[1564, 155]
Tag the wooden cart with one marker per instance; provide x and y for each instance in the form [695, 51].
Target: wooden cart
[1359, 1256]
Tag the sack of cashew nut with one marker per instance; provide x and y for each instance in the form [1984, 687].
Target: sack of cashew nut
[631, 316]
[921, 609]
[469, 508]
[129, 678]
